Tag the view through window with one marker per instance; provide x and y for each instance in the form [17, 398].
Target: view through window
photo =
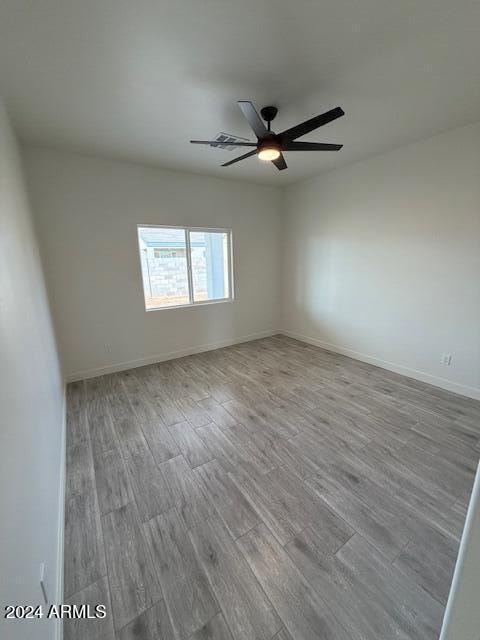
[184, 266]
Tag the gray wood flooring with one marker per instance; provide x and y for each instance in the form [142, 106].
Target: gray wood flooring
[266, 491]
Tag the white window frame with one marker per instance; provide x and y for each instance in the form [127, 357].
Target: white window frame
[187, 231]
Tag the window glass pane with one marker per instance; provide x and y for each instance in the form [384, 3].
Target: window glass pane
[163, 256]
[210, 258]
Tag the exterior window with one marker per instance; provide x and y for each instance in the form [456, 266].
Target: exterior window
[185, 266]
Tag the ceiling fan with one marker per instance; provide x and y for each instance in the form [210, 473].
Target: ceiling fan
[270, 145]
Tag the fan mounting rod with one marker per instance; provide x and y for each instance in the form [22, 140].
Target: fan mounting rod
[268, 114]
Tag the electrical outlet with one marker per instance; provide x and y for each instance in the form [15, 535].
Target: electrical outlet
[43, 581]
[446, 359]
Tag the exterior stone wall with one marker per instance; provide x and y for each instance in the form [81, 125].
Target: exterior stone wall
[168, 276]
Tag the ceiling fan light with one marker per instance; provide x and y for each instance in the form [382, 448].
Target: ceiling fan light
[269, 153]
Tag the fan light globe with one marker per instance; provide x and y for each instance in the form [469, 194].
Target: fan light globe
[268, 153]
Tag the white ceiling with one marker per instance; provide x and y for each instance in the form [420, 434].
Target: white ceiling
[136, 79]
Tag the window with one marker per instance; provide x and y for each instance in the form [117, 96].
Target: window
[183, 266]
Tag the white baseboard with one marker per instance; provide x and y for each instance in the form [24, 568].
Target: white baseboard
[61, 516]
[162, 357]
[443, 383]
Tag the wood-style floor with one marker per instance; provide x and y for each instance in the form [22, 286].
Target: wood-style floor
[271, 490]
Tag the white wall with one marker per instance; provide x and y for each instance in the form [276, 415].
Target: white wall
[31, 411]
[382, 259]
[87, 210]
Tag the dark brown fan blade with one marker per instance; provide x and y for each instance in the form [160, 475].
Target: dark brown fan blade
[309, 125]
[216, 143]
[253, 118]
[311, 146]
[245, 155]
[280, 163]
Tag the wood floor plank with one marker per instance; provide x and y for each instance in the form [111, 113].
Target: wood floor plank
[210, 380]
[133, 582]
[450, 449]
[188, 596]
[451, 477]
[330, 423]
[117, 401]
[94, 392]
[94, 629]
[420, 559]
[214, 629]
[190, 444]
[439, 428]
[257, 419]
[193, 412]
[281, 415]
[167, 407]
[232, 506]
[398, 593]
[397, 514]
[282, 635]
[433, 510]
[217, 413]
[305, 616]
[385, 461]
[274, 452]
[112, 482]
[286, 507]
[192, 387]
[231, 456]
[85, 557]
[249, 614]
[150, 490]
[76, 396]
[279, 512]
[188, 496]
[139, 399]
[349, 600]
[80, 473]
[159, 440]
[102, 434]
[372, 524]
[218, 389]
[153, 624]
[158, 437]
[129, 431]
[161, 399]
[255, 450]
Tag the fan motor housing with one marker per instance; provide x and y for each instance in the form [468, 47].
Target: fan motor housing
[269, 141]
[269, 113]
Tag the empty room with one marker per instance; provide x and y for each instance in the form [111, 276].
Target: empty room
[239, 320]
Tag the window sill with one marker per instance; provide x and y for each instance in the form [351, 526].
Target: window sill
[191, 305]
